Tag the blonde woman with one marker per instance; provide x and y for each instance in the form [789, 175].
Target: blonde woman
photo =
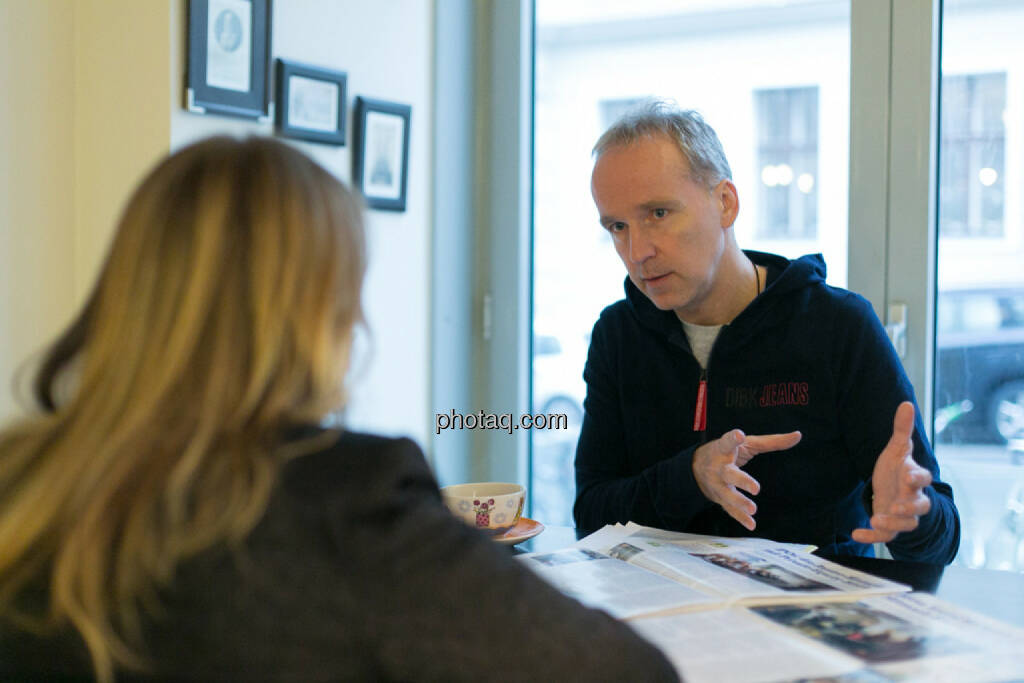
[175, 511]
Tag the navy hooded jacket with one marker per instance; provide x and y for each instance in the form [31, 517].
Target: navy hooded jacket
[802, 356]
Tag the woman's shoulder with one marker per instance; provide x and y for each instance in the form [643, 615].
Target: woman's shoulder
[333, 462]
[365, 442]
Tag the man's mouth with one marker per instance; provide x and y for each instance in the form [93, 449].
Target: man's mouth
[653, 279]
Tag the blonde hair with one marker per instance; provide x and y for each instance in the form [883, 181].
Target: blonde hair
[223, 315]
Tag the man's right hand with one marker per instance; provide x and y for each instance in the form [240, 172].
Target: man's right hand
[716, 467]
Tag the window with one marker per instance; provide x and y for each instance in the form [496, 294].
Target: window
[972, 163]
[980, 310]
[979, 354]
[611, 110]
[593, 58]
[787, 162]
[593, 62]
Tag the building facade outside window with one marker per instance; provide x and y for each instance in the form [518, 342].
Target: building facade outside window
[769, 104]
[611, 110]
[972, 155]
[787, 162]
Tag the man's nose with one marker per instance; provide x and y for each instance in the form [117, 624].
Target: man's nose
[640, 246]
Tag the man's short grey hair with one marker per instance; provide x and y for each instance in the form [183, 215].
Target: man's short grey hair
[685, 127]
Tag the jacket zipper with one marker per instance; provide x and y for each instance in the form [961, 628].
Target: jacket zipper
[700, 413]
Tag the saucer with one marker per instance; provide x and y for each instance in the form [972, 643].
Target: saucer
[525, 528]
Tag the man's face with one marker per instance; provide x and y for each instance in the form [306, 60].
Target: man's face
[668, 228]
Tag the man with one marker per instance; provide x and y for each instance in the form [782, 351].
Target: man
[735, 393]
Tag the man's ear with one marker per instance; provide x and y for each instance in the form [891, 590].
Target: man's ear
[728, 202]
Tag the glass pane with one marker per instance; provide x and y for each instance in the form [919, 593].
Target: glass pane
[979, 369]
[783, 120]
[787, 157]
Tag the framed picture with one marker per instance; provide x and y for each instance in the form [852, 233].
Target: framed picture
[228, 57]
[310, 103]
[381, 155]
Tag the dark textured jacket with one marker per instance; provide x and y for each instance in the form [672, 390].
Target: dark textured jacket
[357, 572]
[802, 356]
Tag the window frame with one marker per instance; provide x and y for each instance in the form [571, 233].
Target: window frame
[893, 175]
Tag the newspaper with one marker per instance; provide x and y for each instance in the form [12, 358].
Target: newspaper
[902, 637]
[696, 541]
[734, 646]
[747, 610]
[620, 588]
[634, 571]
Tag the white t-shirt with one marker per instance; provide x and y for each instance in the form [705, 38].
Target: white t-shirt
[702, 338]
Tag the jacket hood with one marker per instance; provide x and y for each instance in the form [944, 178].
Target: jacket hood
[806, 271]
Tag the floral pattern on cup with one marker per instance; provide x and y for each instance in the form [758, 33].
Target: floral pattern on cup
[483, 512]
[493, 510]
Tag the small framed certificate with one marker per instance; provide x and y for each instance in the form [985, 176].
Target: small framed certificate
[310, 103]
[228, 57]
[381, 155]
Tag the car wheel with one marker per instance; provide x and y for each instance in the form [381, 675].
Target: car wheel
[1007, 410]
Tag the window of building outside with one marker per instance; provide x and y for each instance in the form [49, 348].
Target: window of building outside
[783, 120]
[979, 355]
[612, 110]
[787, 156]
[973, 141]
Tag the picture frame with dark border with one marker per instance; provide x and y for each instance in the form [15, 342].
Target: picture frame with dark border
[310, 102]
[381, 152]
[228, 58]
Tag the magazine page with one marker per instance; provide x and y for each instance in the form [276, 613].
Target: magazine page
[909, 637]
[733, 646]
[622, 589]
[745, 570]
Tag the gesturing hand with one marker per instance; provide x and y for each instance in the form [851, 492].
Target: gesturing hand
[898, 484]
[716, 467]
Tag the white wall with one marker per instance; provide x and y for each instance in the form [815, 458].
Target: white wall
[36, 180]
[93, 94]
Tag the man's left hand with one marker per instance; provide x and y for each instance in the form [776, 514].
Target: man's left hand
[898, 483]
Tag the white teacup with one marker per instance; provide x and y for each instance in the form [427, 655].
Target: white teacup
[492, 507]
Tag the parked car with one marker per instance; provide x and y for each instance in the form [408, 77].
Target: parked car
[558, 385]
[558, 388]
[979, 380]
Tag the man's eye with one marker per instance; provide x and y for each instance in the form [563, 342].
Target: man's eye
[659, 213]
[617, 226]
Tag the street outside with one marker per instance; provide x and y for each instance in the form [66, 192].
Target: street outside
[988, 487]
[554, 478]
